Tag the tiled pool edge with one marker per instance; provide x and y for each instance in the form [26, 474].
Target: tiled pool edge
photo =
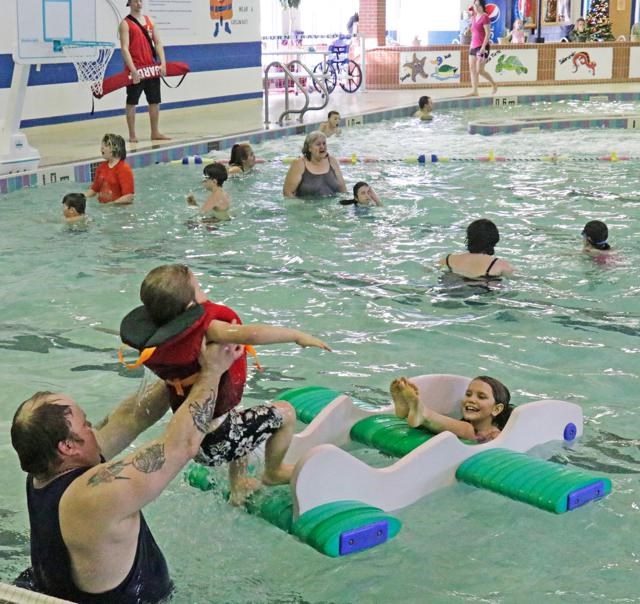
[82, 171]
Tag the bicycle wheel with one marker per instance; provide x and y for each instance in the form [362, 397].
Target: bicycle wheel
[328, 73]
[350, 82]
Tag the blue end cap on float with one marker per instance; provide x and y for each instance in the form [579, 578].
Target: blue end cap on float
[364, 537]
[434, 158]
[197, 159]
[422, 159]
[185, 161]
[579, 497]
[570, 431]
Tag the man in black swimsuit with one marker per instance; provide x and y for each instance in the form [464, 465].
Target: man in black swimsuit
[89, 539]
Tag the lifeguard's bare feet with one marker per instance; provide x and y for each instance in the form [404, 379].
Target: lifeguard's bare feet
[133, 139]
[160, 137]
[495, 88]
[401, 406]
[472, 94]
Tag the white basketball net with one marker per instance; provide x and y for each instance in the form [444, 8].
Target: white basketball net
[91, 71]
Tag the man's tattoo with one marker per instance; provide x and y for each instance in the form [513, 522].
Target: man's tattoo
[203, 414]
[150, 459]
[109, 473]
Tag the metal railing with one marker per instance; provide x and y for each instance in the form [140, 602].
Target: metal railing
[291, 77]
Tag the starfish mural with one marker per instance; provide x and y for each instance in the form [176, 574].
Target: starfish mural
[416, 66]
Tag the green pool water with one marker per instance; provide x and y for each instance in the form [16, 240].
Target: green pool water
[565, 327]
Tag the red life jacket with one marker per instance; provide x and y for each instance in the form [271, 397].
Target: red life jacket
[175, 358]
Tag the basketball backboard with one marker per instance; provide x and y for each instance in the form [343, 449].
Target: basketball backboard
[40, 23]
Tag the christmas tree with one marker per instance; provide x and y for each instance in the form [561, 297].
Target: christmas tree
[598, 22]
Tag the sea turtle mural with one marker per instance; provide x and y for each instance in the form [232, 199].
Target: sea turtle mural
[510, 63]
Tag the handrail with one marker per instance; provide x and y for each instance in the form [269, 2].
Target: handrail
[289, 75]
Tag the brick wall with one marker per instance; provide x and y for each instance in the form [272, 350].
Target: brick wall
[372, 24]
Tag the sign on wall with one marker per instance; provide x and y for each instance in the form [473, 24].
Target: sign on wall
[584, 63]
[513, 65]
[434, 67]
[634, 62]
[226, 20]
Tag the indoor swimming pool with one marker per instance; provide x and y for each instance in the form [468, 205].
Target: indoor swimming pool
[366, 281]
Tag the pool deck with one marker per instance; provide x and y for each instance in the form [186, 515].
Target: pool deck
[80, 141]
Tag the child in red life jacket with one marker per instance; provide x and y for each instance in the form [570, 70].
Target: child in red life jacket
[169, 330]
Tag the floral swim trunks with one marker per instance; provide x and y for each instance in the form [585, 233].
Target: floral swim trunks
[241, 432]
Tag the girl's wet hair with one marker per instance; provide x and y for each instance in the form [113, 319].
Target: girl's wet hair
[117, 145]
[357, 187]
[482, 237]
[501, 395]
[596, 234]
[239, 154]
[312, 137]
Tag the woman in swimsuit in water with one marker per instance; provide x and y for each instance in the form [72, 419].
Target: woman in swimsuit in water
[478, 262]
[316, 173]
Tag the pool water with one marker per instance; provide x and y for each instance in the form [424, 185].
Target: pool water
[565, 327]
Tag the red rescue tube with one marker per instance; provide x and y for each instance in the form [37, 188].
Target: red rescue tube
[122, 79]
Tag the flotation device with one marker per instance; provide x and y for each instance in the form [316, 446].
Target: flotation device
[122, 79]
[171, 350]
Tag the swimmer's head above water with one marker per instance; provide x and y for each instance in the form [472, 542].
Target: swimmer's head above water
[595, 234]
[482, 237]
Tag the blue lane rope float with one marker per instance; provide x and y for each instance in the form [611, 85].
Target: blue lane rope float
[423, 159]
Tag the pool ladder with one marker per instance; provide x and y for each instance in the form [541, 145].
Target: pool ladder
[318, 81]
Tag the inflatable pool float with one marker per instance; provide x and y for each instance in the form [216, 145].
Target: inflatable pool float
[341, 505]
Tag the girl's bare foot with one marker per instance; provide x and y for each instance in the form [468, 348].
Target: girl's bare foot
[280, 476]
[415, 416]
[473, 93]
[495, 88]
[401, 406]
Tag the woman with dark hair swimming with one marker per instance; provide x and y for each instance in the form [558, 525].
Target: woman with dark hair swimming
[478, 262]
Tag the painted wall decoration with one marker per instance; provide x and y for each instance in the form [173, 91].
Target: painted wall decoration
[634, 62]
[584, 63]
[513, 65]
[433, 66]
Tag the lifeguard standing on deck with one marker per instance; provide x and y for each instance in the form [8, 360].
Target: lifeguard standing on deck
[141, 48]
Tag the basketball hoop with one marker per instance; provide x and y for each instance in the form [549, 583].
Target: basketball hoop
[88, 69]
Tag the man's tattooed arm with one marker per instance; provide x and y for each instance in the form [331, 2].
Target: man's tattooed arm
[147, 460]
[203, 414]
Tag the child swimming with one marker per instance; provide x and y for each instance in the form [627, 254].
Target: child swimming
[363, 195]
[216, 207]
[73, 208]
[595, 235]
[332, 125]
[485, 409]
[424, 108]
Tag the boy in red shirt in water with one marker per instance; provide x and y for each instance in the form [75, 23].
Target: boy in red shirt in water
[169, 330]
[113, 182]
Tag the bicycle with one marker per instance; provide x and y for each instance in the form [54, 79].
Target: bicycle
[338, 68]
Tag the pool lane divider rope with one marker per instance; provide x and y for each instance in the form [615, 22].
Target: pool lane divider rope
[426, 158]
